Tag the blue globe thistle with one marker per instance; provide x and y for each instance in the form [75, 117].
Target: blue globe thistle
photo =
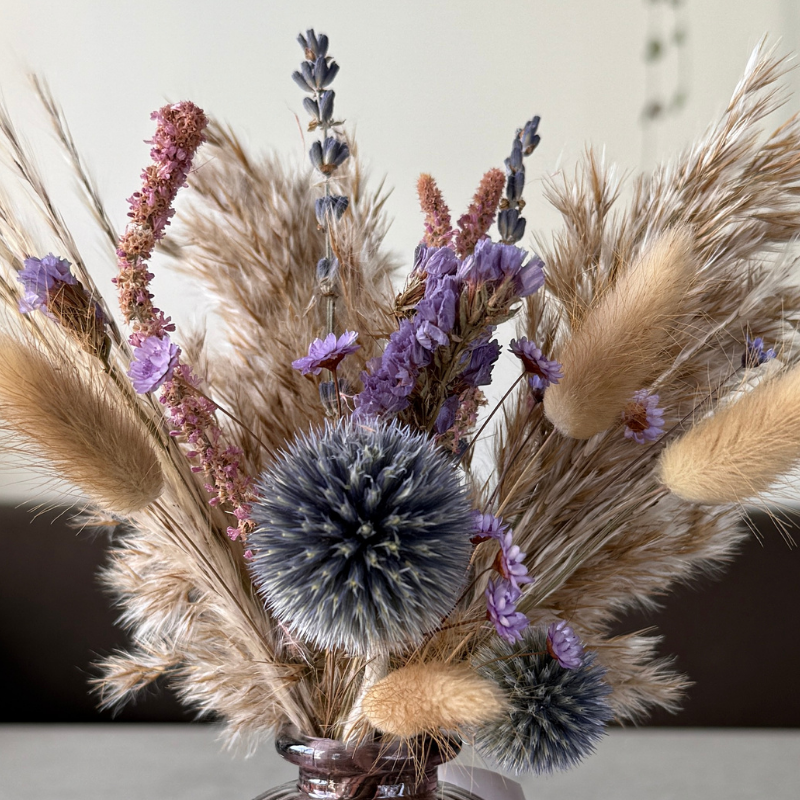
[362, 538]
[556, 715]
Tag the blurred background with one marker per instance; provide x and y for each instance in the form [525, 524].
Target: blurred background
[435, 86]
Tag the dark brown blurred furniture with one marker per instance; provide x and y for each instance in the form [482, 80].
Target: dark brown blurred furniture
[736, 637]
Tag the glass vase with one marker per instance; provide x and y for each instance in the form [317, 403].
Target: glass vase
[333, 770]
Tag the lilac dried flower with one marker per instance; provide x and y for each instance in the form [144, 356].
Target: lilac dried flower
[153, 363]
[754, 353]
[541, 371]
[510, 561]
[328, 155]
[564, 645]
[643, 418]
[327, 353]
[41, 277]
[487, 526]
[501, 610]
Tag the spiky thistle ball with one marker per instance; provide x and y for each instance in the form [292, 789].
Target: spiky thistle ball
[362, 538]
[555, 716]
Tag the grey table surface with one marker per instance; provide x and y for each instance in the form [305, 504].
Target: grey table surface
[186, 762]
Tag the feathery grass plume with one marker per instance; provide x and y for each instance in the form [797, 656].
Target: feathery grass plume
[473, 225]
[622, 342]
[741, 450]
[555, 715]
[80, 423]
[250, 236]
[362, 537]
[438, 228]
[429, 697]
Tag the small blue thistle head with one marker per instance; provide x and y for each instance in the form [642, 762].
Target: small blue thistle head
[556, 715]
[362, 538]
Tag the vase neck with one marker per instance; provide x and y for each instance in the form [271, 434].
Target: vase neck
[412, 782]
[334, 770]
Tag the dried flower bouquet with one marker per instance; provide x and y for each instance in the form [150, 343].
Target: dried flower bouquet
[297, 532]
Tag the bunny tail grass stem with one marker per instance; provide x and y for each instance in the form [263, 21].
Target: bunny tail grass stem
[740, 451]
[622, 342]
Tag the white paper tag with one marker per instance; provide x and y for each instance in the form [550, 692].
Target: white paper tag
[484, 783]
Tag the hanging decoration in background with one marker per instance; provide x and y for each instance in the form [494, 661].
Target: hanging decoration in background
[667, 69]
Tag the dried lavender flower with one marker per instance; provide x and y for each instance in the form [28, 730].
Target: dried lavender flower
[644, 420]
[501, 610]
[314, 45]
[564, 645]
[556, 715]
[327, 354]
[361, 536]
[328, 155]
[510, 223]
[153, 363]
[332, 206]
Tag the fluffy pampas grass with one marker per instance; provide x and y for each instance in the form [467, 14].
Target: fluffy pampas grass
[740, 451]
[431, 697]
[80, 424]
[623, 339]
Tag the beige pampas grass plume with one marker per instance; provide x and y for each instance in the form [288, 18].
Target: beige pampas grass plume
[79, 424]
[623, 340]
[429, 697]
[742, 450]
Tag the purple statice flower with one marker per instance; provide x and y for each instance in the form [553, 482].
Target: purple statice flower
[446, 417]
[564, 645]
[510, 561]
[495, 263]
[482, 356]
[153, 363]
[436, 261]
[392, 377]
[327, 353]
[644, 420]
[436, 312]
[541, 371]
[40, 277]
[754, 353]
[487, 526]
[501, 610]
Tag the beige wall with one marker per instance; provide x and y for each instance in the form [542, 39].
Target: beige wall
[429, 86]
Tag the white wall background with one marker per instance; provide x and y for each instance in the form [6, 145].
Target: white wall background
[430, 85]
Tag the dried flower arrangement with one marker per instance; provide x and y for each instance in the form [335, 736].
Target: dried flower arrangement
[298, 535]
